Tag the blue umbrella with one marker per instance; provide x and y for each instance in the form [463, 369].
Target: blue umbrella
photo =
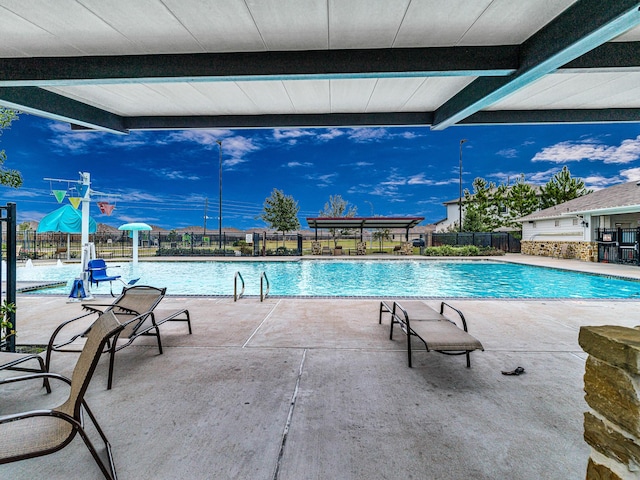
[66, 220]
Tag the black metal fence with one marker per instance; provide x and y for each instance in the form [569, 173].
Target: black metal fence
[618, 245]
[153, 244]
[506, 242]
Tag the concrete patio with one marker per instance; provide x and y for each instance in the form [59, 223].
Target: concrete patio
[314, 389]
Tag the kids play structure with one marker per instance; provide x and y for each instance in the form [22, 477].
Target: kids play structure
[93, 269]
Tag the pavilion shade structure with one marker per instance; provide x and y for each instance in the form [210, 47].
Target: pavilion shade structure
[360, 223]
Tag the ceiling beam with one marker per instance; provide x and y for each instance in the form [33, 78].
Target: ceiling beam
[373, 63]
[514, 117]
[612, 56]
[390, 119]
[43, 103]
[208, 67]
[584, 26]
[329, 120]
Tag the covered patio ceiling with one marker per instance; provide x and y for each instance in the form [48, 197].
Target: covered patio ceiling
[178, 64]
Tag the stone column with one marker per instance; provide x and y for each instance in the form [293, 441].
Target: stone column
[612, 391]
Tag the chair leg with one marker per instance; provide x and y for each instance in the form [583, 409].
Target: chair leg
[109, 473]
[188, 320]
[112, 359]
[44, 370]
[409, 350]
[159, 340]
[468, 360]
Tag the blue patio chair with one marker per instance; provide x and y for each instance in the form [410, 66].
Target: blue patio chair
[98, 273]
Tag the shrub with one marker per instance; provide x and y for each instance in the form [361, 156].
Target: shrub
[461, 251]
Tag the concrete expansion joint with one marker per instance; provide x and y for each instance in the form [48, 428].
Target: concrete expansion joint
[287, 425]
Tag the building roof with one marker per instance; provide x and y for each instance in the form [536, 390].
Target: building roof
[623, 198]
[175, 64]
[349, 223]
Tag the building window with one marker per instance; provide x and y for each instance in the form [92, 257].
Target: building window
[575, 221]
[557, 223]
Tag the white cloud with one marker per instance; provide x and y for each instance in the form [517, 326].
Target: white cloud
[173, 174]
[234, 150]
[298, 164]
[508, 153]
[322, 180]
[632, 174]
[541, 177]
[420, 179]
[592, 150]
[365, 135]
[330, 134]
[293, 136]
[409, 135]
[84, 141]
[206, 138]
[295, 133]
[598, 182]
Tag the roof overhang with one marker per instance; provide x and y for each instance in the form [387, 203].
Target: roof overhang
[182, 64]
[607, 211]
[359, 223]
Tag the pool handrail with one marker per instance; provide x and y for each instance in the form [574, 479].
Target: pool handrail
[263, 275]
[235, 286]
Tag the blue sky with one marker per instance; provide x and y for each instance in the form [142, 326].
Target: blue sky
[163, 177]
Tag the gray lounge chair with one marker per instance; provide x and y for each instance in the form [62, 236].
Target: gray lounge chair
[134, 308]
[14, 361]
[41, 432]
[437, 332]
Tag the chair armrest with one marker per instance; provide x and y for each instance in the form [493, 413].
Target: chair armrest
[41, 413]
[464, 322]
[34, 376]
[63, 325]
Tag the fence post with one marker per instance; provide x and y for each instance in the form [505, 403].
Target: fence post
[11, 269]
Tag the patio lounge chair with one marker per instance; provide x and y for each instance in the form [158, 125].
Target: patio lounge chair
[41, 432]
[437, 332]
[14, 361]
[134, 308]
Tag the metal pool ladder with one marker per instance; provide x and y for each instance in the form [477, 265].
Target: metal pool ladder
[235, 286]
[263, 279]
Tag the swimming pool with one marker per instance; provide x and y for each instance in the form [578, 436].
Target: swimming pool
[367, 278]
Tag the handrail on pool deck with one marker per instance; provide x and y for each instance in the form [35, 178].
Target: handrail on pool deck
[235, 286]
[263, 275]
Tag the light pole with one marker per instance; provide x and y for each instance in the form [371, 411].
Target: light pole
[460, 197]
[219, 142]
[371, 205]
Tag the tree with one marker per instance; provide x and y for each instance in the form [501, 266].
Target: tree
[337, 207]
[562, 188]
[520, 199]
[381, 234]
[482, 208]
[281, 212]
[8, 177]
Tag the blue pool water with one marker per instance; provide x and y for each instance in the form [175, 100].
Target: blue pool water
[398, 278]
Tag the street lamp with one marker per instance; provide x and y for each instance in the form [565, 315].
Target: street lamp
[460, 197]
[219, 142]
[371, 205]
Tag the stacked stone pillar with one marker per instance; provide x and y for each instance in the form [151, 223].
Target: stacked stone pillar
[612, 391]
